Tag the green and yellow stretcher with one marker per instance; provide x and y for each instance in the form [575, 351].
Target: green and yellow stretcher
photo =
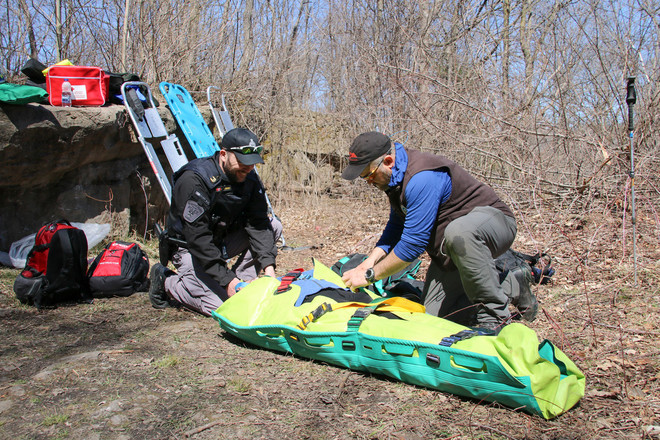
[394, 337]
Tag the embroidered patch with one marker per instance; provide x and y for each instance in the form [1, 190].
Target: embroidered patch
[192, 211]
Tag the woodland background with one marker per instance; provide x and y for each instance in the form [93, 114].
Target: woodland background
[528, 95]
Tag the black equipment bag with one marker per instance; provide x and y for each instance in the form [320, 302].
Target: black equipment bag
[56, 267]
[121, 269]
[114, 85]
[402, 283]
[33, 69]
[539, 264]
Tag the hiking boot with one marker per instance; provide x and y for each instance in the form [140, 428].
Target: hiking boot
[157, 293]
[527, 304]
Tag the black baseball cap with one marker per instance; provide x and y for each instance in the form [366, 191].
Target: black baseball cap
[244, 144]
[365, 148]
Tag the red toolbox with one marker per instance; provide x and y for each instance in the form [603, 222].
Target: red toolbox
[89, 85]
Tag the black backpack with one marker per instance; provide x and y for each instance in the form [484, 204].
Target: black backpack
[56, 267]
[115, 81]
[121, 269]
[402, 283]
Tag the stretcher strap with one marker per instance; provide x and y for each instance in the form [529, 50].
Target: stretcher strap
[360, 314]
[460, 336]
[314, 315]
[286, 280]
[394, 304]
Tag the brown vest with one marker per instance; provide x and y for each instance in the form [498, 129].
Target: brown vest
[467, 193]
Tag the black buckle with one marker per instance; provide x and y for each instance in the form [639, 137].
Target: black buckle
[460, 336]
[432, 359]
[363, 312]
[356, 320]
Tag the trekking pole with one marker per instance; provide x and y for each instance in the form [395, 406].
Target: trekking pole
[631, 98]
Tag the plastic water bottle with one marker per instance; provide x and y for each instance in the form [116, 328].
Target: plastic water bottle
[66, 93]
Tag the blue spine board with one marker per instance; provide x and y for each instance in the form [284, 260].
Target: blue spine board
[190, 120]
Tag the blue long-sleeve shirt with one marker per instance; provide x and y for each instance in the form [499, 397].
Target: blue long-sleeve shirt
[426, 191]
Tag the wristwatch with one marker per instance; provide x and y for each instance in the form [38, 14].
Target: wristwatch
[370, 275]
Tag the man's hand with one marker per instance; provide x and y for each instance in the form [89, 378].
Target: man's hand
[231, 287]
[269, 271]
[354, 278]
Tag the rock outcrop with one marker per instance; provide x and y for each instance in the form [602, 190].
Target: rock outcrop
[73, 163]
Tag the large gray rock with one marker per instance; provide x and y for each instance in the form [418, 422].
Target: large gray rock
[73, 163]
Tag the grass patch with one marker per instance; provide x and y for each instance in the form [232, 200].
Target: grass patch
[239, 385]
[64, 433]
[55, 419]
[167, 361]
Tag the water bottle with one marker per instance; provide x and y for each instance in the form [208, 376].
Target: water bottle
[66, 93]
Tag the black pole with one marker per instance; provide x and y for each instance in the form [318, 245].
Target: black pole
[631, 99]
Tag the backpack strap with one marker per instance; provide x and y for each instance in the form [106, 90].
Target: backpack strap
[68, 255]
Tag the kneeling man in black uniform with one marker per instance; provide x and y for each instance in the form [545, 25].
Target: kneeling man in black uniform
[219, 211]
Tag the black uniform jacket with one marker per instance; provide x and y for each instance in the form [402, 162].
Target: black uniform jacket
[207, 207]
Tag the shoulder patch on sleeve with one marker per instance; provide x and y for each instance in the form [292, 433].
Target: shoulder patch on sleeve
[192, 211]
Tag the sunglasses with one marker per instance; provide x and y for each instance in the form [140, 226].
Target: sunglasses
[369, 177]
[247, 149]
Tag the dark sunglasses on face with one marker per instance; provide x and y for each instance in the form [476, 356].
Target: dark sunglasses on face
[247, 149]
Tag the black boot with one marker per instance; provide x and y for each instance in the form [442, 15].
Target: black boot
[527, 304]
[157, 293]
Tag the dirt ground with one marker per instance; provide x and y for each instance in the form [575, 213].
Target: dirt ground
[119, 369]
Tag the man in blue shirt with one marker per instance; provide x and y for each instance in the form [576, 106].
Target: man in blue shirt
[463, 225]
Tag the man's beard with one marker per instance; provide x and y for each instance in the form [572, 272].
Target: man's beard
[233, 178]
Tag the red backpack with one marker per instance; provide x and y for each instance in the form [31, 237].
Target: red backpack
[121, 269]
[56, 267]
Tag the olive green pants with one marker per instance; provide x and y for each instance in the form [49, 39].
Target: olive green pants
[472, 294]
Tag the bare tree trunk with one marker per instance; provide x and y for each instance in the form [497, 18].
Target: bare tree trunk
[124, 38]
[58, 29]
[30, 29]
[286, 63]
[247, 56]
[506, 47]
[525, 44]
